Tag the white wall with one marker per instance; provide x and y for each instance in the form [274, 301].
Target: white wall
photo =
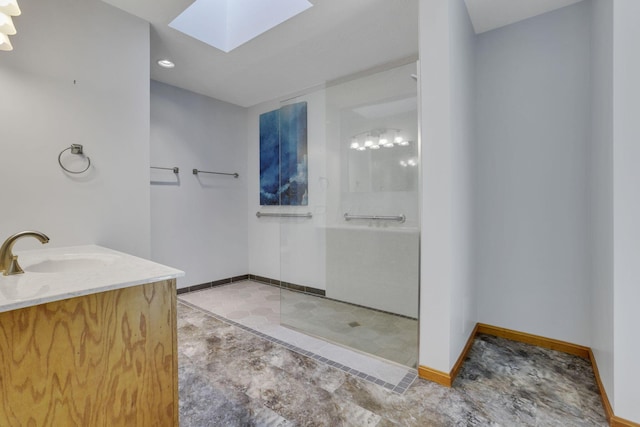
[601, 191]
[533, 125]
[447, 296]
[198, 223]
[300, 241]
[106, 52]
[626, 207]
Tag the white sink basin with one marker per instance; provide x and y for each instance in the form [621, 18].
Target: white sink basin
[67, 263]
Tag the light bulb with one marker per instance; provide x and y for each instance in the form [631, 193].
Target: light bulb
[354, 145]
[5, 44]
[397, 139]
[10, 7]
[369, 142]
[6, 24]
[375, 147]
[404, 143]
[362, 148]
[403, 163]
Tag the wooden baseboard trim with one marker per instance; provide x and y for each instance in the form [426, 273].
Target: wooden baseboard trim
[621, 422]
[434, 375]
[614, 421]
[537, 340]
[608, 410]
[446, 379]
[463, 355]
[443, 378]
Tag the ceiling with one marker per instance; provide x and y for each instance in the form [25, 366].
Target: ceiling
[332, 39]
[491, 14]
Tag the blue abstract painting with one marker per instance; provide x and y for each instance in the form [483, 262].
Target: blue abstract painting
[283, 156]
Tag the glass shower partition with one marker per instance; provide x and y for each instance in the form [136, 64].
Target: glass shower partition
[349, 270]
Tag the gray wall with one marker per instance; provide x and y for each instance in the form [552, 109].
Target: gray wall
[106, 52]
[198, 223]
[601, 191]
[626, 207]
[533, 123]
[464, 310]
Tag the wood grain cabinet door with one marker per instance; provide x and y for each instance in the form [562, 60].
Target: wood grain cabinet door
[106, 359]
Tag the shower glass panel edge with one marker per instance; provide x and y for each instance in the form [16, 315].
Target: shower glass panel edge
[353, 280]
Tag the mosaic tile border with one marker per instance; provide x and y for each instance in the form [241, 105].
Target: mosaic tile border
[288, 285]
[213, 284]
[399, 388]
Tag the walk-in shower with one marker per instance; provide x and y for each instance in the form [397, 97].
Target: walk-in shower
[359, 219]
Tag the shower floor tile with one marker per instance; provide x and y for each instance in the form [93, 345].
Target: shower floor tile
[385, 335]
[256, 307]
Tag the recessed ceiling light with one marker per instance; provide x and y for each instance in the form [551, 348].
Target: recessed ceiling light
[165, 63]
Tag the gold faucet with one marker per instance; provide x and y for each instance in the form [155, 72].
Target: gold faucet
[8, 261]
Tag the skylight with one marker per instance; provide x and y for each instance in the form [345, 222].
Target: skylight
[227, 24]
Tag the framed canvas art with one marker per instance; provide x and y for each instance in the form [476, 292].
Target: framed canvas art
[283, 156]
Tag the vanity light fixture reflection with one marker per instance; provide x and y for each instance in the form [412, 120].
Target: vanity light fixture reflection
[375, 138]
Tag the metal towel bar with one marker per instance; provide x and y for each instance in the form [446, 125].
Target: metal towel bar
[196, 172]
[285, 215]
[399, 218]
[174, 169]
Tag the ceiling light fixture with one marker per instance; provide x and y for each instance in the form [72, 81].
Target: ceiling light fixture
[166, 63]
[6, 24]
[5, 44]
[8, 8]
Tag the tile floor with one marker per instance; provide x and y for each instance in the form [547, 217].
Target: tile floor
[374, 332]
[229, 376]
[255, 307]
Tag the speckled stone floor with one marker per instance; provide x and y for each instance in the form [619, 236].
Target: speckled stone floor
[231, 377]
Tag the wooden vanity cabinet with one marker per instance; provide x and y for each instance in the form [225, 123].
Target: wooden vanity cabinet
[104, 359]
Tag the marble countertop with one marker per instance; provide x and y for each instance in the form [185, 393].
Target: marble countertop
[60, 273]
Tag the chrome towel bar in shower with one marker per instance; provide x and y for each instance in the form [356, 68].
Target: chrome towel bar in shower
[174, 169]
[399, 218]
[196, 172]
[285, 215]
